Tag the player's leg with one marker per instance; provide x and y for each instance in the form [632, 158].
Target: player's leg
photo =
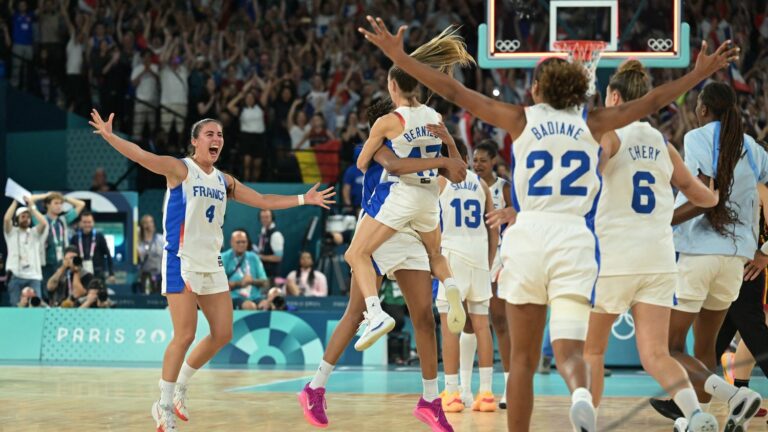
[478, 314]
[441, 269]
[526, 322]
[451, 397]
[415, 285]
[594, 350]
[498, 314]
[467, 351]
[370, 234]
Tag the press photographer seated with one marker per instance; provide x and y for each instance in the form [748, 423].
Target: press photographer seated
[68, 284]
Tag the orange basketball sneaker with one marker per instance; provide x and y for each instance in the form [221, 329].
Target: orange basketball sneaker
[180, 402]
[452, 402]
[484, 402]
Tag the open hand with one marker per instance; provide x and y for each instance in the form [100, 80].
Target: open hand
[101, 127]
[708, 64]
[320, 198]
[497, 218]
[391, 45]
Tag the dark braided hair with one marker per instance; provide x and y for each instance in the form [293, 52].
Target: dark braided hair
[720, 100]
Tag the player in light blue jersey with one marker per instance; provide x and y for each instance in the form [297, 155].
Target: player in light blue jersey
[193, 273]
[550, 255]
[715, 245]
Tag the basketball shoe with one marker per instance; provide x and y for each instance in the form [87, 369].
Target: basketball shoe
[312, 402]
[376, 326]
[180, 402]
[431, 414]
[165, 419]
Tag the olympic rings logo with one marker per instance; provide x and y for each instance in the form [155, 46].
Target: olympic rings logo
[507, 45]
[659, 44]
[625, 317]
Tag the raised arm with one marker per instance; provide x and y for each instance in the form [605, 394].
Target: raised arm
[506, 116]
[387, 125]
[243, 194]
[8, 218]
[602, 120]
[173, 169]
[698, 193]
[42, 223]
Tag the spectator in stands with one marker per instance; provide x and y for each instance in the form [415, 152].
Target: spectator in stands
[270, 245]
[305, 280]
[352, 190]
[150, 251]
[29, 298]
[24, 245]
[341, 104]
[245, 272]
[352, 136]
[100, 183]
[174, 85]
[275, 300]
[318, 133]
[93, 249]
[97, 295]
[23, 38]
[76, 85]
[252, 142]
[144, 78]
[208, 105]
[58, 228]
[52, 25]
[298, 127]
[67, 285]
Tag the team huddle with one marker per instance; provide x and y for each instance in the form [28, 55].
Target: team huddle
[583, 228]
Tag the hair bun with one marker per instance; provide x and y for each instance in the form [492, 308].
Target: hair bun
[631, 65]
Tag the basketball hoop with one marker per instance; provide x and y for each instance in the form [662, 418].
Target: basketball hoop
[587, 53]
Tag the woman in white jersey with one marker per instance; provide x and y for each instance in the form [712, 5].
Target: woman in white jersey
[470, 247]
[484, 160]
[409, 199]
[714, 245]
[193, 274]
[638, 268]
[550, 254]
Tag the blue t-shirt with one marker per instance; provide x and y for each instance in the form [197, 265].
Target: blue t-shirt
[249, 264]
[697, 236]
[22, 29]
[354, 177]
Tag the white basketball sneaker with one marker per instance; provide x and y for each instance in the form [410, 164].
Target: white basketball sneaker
[700, 422]
[456, 315]
[375, 327]
[583, 416]
[165, 419]
[180, 402]
[741, 408]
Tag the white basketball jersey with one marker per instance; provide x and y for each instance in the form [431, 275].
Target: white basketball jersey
[416, 141]
[497, 193]
[193, 217]
[634, 215]
[463, 217]
[554, 163]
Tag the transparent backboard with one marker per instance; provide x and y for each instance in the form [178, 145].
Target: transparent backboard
[518, 33]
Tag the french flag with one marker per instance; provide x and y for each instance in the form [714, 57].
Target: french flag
[737, 80]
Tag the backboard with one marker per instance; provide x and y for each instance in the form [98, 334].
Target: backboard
[518, 33]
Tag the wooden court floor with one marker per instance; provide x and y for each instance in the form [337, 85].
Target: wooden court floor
[55, 398]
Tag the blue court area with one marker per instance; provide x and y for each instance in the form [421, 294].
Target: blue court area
[622, 383]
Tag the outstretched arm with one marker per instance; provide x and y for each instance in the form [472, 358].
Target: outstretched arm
[602, 120]
[506, 116]
[173, 169]
[243, 194]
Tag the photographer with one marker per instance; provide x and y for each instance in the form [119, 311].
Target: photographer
[67, 285]
[97, 296]
[30, 299]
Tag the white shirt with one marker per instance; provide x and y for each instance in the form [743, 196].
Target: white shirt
[173, 85]
[75, 52]
[24, 252]
[297, 134]
[252, 119]
[147, 89]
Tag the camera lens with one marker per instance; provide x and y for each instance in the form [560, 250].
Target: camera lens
[103, 295]
[77, 261]
[35, 301]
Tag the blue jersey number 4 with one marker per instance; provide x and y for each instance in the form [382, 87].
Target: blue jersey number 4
[210, 213]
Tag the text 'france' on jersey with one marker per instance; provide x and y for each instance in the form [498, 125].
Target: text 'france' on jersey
[416, 141]
[554, 163]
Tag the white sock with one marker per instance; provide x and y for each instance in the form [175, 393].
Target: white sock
[486, 380]
[321, 375]
[166, 392]
[581, 393]
[185, 373]
[719, 388]
[704, 406]
[449, 282]
[451, 383]
[467, 349]
[506, 378]
[373, 305]
[687, 401]
[429, 389]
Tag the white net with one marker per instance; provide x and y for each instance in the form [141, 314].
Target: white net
[585, 52]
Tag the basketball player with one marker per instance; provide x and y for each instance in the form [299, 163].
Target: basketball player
[403, 257]
[550, 255]
[192, 271]
[483, 163]
[406, 199]
[638, 268]
[470, 247]
[714, 246]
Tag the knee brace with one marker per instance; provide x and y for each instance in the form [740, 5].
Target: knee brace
[569, 318]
